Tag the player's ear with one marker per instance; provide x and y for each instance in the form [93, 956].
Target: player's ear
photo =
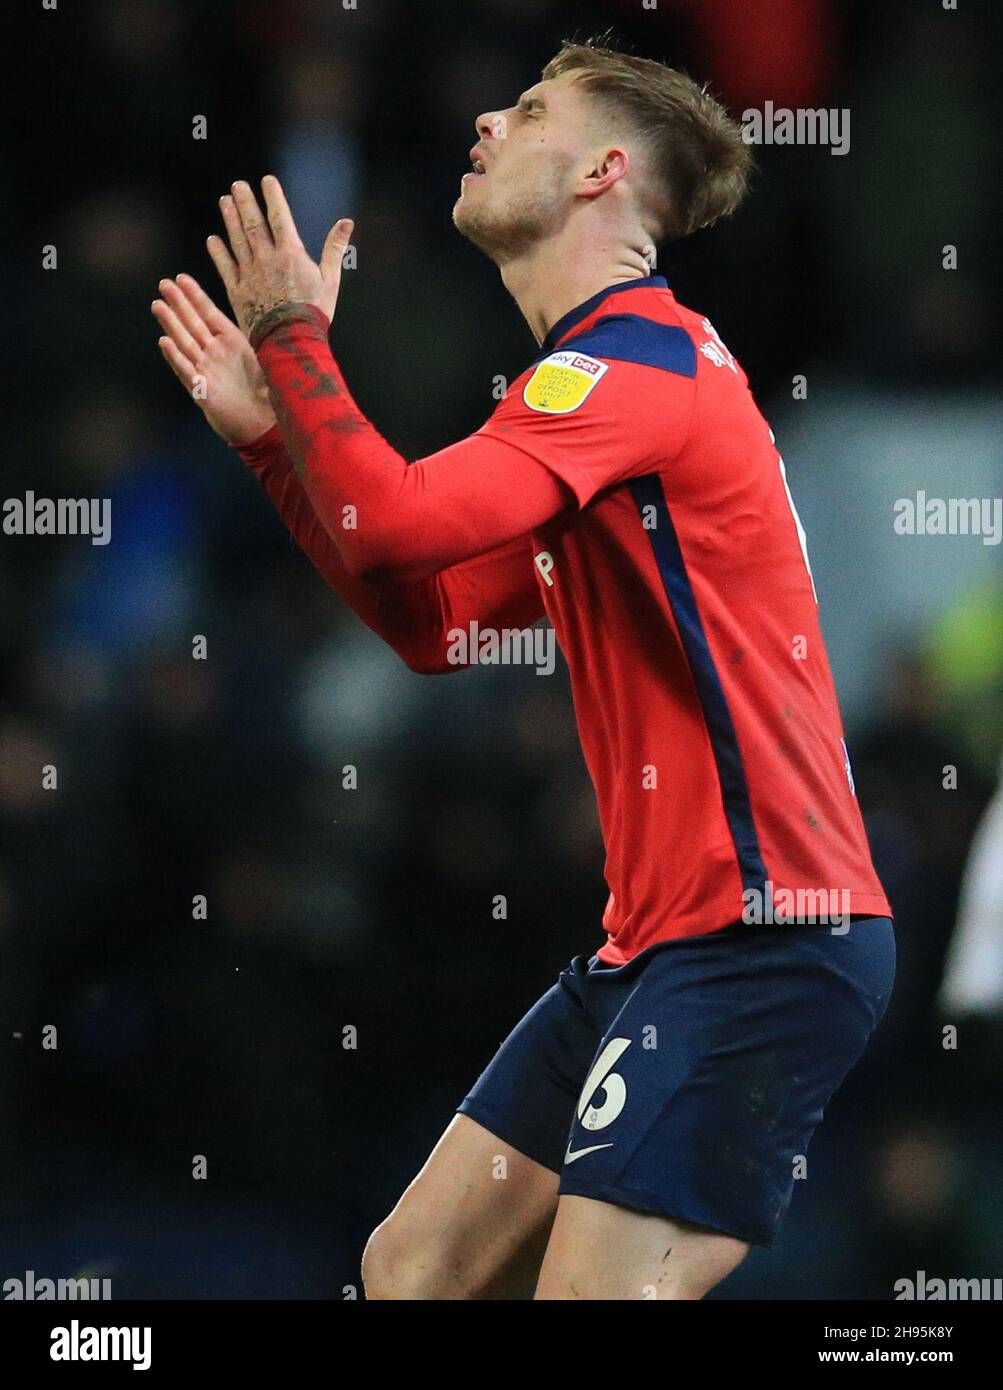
[608, 167]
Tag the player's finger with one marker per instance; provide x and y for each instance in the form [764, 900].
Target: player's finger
[176, 330]
[212, 316]
[280, 218]
[255, 227]
[229, 271]
[332, 255]
[178, 363]
[186, 312]
[239, 244]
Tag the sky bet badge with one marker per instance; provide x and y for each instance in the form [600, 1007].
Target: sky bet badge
[562, 381]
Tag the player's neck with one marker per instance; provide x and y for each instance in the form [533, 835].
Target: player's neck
[553, 278]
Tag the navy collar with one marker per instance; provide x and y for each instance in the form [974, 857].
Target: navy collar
[573, 316]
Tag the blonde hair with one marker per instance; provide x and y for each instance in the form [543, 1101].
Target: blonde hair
[700, 163]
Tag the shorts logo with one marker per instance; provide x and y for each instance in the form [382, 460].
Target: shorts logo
[570, 1156]
[602, 1077]
[611, 1083]
[562, 382]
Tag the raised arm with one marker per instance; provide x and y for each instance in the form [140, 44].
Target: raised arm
[384, 514]
[214, 361]
[414, 615]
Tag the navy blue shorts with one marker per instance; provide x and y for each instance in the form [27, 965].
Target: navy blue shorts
[687, 1082]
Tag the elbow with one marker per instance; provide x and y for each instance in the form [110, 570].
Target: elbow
[365, 563]
[360, 569]
[377, 558]
[427, 661]
[422, 666]
[389, 569]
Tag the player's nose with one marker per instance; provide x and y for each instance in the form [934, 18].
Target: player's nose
[491, 125]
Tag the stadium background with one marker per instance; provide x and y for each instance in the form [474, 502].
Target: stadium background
[373, 908]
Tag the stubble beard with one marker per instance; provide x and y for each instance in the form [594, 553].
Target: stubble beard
[508, 232]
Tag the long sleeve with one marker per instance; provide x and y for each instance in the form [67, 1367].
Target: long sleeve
[414, 616]
[387, 516]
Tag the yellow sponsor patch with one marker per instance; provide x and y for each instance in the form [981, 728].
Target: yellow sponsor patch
[562, 382]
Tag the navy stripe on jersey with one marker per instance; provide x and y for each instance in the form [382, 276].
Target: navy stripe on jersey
[631, 338]
[648, 492]
[582, 311]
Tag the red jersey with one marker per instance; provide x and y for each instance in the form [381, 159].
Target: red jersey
[682, 598]
[628, 486]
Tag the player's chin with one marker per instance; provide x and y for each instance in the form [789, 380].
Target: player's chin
[480, 228]
[464, 219]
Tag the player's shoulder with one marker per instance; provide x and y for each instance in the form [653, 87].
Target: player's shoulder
[708, 344]
[641, 330]
[651, 329]
[633, 343]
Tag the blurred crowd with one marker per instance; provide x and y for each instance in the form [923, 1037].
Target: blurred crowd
[311, 1033]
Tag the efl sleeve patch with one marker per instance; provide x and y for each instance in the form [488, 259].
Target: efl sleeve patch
[562, 381]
